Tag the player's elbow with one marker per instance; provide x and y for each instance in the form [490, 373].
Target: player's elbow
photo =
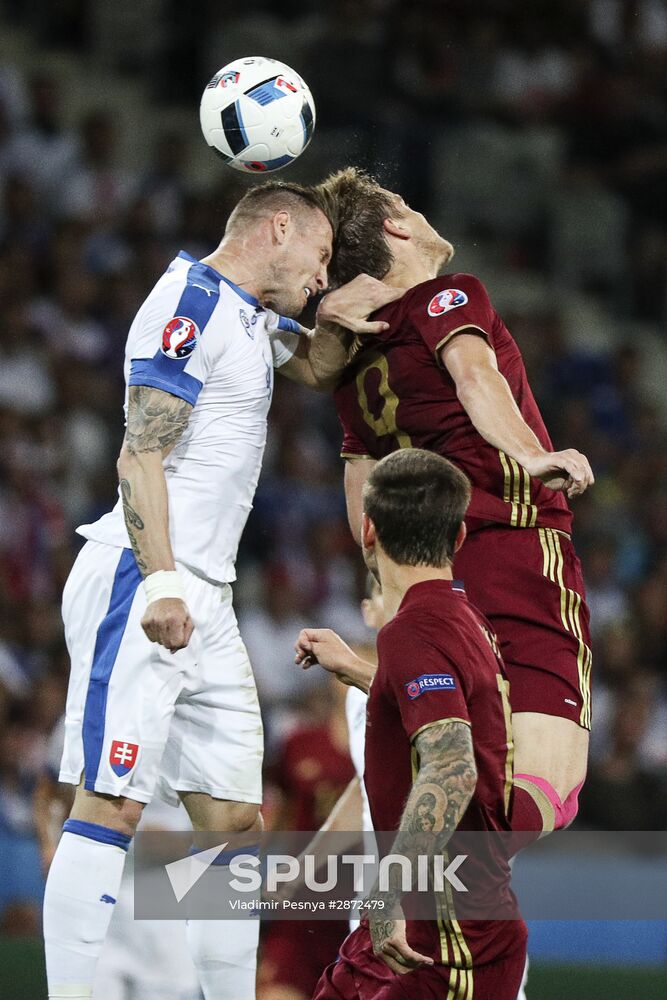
[323, 383]
[124, 462]
[130, 462]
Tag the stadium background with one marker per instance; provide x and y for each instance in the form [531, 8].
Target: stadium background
[535, 136]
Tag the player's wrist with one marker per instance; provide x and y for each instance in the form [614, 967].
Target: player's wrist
[530, 456]
[164, 584]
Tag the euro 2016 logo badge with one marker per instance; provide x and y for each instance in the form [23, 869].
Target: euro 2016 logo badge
[179, 338]
[450, 298]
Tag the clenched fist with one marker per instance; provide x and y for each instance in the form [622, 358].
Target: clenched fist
[167, 621]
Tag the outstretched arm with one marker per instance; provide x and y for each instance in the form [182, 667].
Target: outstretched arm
[357, 471]
[324, 646]
[439, 797]
[322, 353]
[156, 421]
[487, 399]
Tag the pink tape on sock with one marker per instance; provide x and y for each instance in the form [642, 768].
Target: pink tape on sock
[564, 812]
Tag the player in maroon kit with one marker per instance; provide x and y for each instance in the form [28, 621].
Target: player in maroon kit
[439, 726]
[447, 376]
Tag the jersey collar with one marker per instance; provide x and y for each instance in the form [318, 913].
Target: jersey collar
[216, 276]
[418, 592]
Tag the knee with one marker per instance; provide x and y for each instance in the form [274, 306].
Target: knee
[119, 814]
[564, 809]
[243, 817]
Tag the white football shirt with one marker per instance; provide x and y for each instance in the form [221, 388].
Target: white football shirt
[202, 338]
[355, 711]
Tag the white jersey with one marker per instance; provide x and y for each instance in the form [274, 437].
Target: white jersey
[355, 710]
[202, 338]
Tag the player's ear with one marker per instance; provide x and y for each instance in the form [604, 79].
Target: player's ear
[367, 613]
[392, 227]
[368, 536]
[460, 536]
[280, 226]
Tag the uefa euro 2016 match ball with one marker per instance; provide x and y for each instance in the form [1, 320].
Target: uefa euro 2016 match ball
[257, 114]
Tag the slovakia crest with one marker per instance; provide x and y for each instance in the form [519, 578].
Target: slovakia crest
[450, 298]
[123, 757]
[179, 338]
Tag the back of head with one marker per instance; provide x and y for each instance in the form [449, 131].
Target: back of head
[357, 207]
[417, 501]
[265, 200]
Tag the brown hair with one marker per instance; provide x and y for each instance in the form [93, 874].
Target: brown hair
[357, 206]
[417, 501]
[265, 200]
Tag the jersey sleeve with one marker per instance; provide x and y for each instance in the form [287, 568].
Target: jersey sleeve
[353, 445]
[425, 681]
[171, 347]
[284, 334]
[464, 305]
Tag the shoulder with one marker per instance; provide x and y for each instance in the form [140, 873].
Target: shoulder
[446, 292]
[416, 627]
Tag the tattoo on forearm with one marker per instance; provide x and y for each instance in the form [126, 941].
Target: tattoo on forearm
[155, 419]
[380, 930]
[133, 523]
[439, 797]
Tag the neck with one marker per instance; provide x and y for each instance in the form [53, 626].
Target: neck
[396, 580]
[235, 260]
[408, 273]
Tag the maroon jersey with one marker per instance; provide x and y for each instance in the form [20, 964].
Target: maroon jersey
[395, 394]
[313, 773]
[438, 660]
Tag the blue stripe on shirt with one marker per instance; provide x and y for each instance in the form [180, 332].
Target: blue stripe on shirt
[158, 373]
[197, 302]
[291, 325]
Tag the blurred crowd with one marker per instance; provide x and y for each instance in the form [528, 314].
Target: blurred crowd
[543, 136]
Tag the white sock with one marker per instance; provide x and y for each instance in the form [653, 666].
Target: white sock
[81, 891]
[224, 953]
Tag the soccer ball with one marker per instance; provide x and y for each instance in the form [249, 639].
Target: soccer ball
[257, 114]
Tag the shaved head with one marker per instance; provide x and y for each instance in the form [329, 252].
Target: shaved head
[265, 200]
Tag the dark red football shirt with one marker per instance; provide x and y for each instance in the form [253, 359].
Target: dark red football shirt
[395, 394]
[438, 660]
[313, 773]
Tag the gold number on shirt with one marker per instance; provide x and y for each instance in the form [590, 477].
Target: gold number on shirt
[385, 423]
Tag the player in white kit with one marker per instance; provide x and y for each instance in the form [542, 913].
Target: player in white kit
[161, 686]
[140, 960]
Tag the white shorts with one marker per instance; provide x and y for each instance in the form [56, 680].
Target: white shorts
[135, 711]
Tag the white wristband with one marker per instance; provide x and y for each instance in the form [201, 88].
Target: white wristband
[164, 583]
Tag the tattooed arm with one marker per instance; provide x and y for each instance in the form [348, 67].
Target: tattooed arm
[439, 797]
[155, 422]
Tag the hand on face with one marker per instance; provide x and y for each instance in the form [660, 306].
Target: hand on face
[351, 305]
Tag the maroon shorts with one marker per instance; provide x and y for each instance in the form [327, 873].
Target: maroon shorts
[528, 583]
[367, 977]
